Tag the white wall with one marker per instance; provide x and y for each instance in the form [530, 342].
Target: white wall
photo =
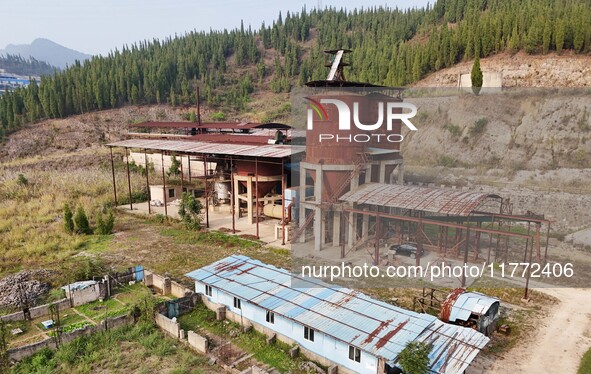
[323, 345]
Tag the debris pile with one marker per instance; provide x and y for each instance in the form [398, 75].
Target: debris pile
[23, 288]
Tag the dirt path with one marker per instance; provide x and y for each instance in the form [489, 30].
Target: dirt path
[560, 342]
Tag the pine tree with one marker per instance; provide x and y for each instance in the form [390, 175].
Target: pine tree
[81, 222]
[476, 76]
[68, 219]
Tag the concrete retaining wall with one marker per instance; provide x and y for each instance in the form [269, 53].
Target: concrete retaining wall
[17, 354]
[169, 326]
[197, 341]
[86, 295]
[38, 311]
[178, 290]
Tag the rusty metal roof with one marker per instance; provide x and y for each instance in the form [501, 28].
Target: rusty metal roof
[196, 147]
[436, 200]
[461, 304]
[211, 125]
[352, 317]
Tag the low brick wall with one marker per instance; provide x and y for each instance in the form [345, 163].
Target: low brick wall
[167, 325]
[17, 354]
[36, 312]
[197, 342]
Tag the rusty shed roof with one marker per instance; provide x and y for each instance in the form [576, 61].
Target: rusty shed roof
[354, 318]
[196, 147]
[436, 200]
[211, 125]
[461, 304]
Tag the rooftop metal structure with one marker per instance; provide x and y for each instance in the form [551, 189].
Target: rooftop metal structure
[211, 125]
[426, 199]
[460, 305]
[197, 147]
[354, 318]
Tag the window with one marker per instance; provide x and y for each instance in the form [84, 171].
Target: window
[208, 290]
[308, 334]
[270, 317]
[236, 303]
[354, 354]
[171, 192]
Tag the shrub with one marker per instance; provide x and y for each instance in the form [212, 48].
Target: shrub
[414, 358]
[175, 165]
[190, 211]
[105, 226]
[218, 116]
[479, 126]
[68, 219]
[81, 222]
[22, 180]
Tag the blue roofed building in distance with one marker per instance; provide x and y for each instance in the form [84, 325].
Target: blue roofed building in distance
[332, 325]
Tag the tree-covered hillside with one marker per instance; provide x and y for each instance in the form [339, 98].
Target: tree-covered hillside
[391, 47]
[19, 65]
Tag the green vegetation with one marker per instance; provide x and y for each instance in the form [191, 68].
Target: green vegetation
[404, 45]
[585, 366]
[81, 222]
[16, 64]
[190, 211]
[99, 310]
[68, 219]
[479, 127]
[140, 348]
[476, 76]
[414, 358]
[105, 226]
[254, 342]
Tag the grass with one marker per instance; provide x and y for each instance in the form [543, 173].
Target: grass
[139, 349]
[99, 310]
[253, 342]
[585, 366]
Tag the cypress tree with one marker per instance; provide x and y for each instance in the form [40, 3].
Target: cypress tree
[476, 76]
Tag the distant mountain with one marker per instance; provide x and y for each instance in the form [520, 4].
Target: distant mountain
[46, 50]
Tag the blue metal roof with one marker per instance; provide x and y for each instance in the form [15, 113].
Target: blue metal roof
[354, 318]
[470, 303]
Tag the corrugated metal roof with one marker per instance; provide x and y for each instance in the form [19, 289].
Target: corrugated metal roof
[211, 125]
[470, 303]
[347, 315]
[459, 203]
[196, 147]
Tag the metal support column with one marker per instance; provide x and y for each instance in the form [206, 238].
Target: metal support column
[128, 179]
[164, 185]
[113, 172]
[147, 181]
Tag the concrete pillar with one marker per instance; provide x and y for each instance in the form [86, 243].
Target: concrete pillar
[236, 199]
[318, 185]
[382, 172]
[167, 287]
[249, 197]
[336, 229]
[220, 313]
[302, 197]
[400, 174]
[318, 232]
[352, 230]
[364, 227]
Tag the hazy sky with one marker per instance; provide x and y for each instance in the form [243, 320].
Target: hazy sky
[98, 26]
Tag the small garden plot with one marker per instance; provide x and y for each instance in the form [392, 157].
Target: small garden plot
[130, 295]
[99, 310]
[253, 342]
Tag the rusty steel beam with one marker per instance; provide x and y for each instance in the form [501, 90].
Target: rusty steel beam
[233, 208]
[512, 217]
[113, 172]
[438, 223]
[147, 181]
[164, 185]
[128, 180]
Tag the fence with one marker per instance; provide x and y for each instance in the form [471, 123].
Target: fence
[17, 354]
